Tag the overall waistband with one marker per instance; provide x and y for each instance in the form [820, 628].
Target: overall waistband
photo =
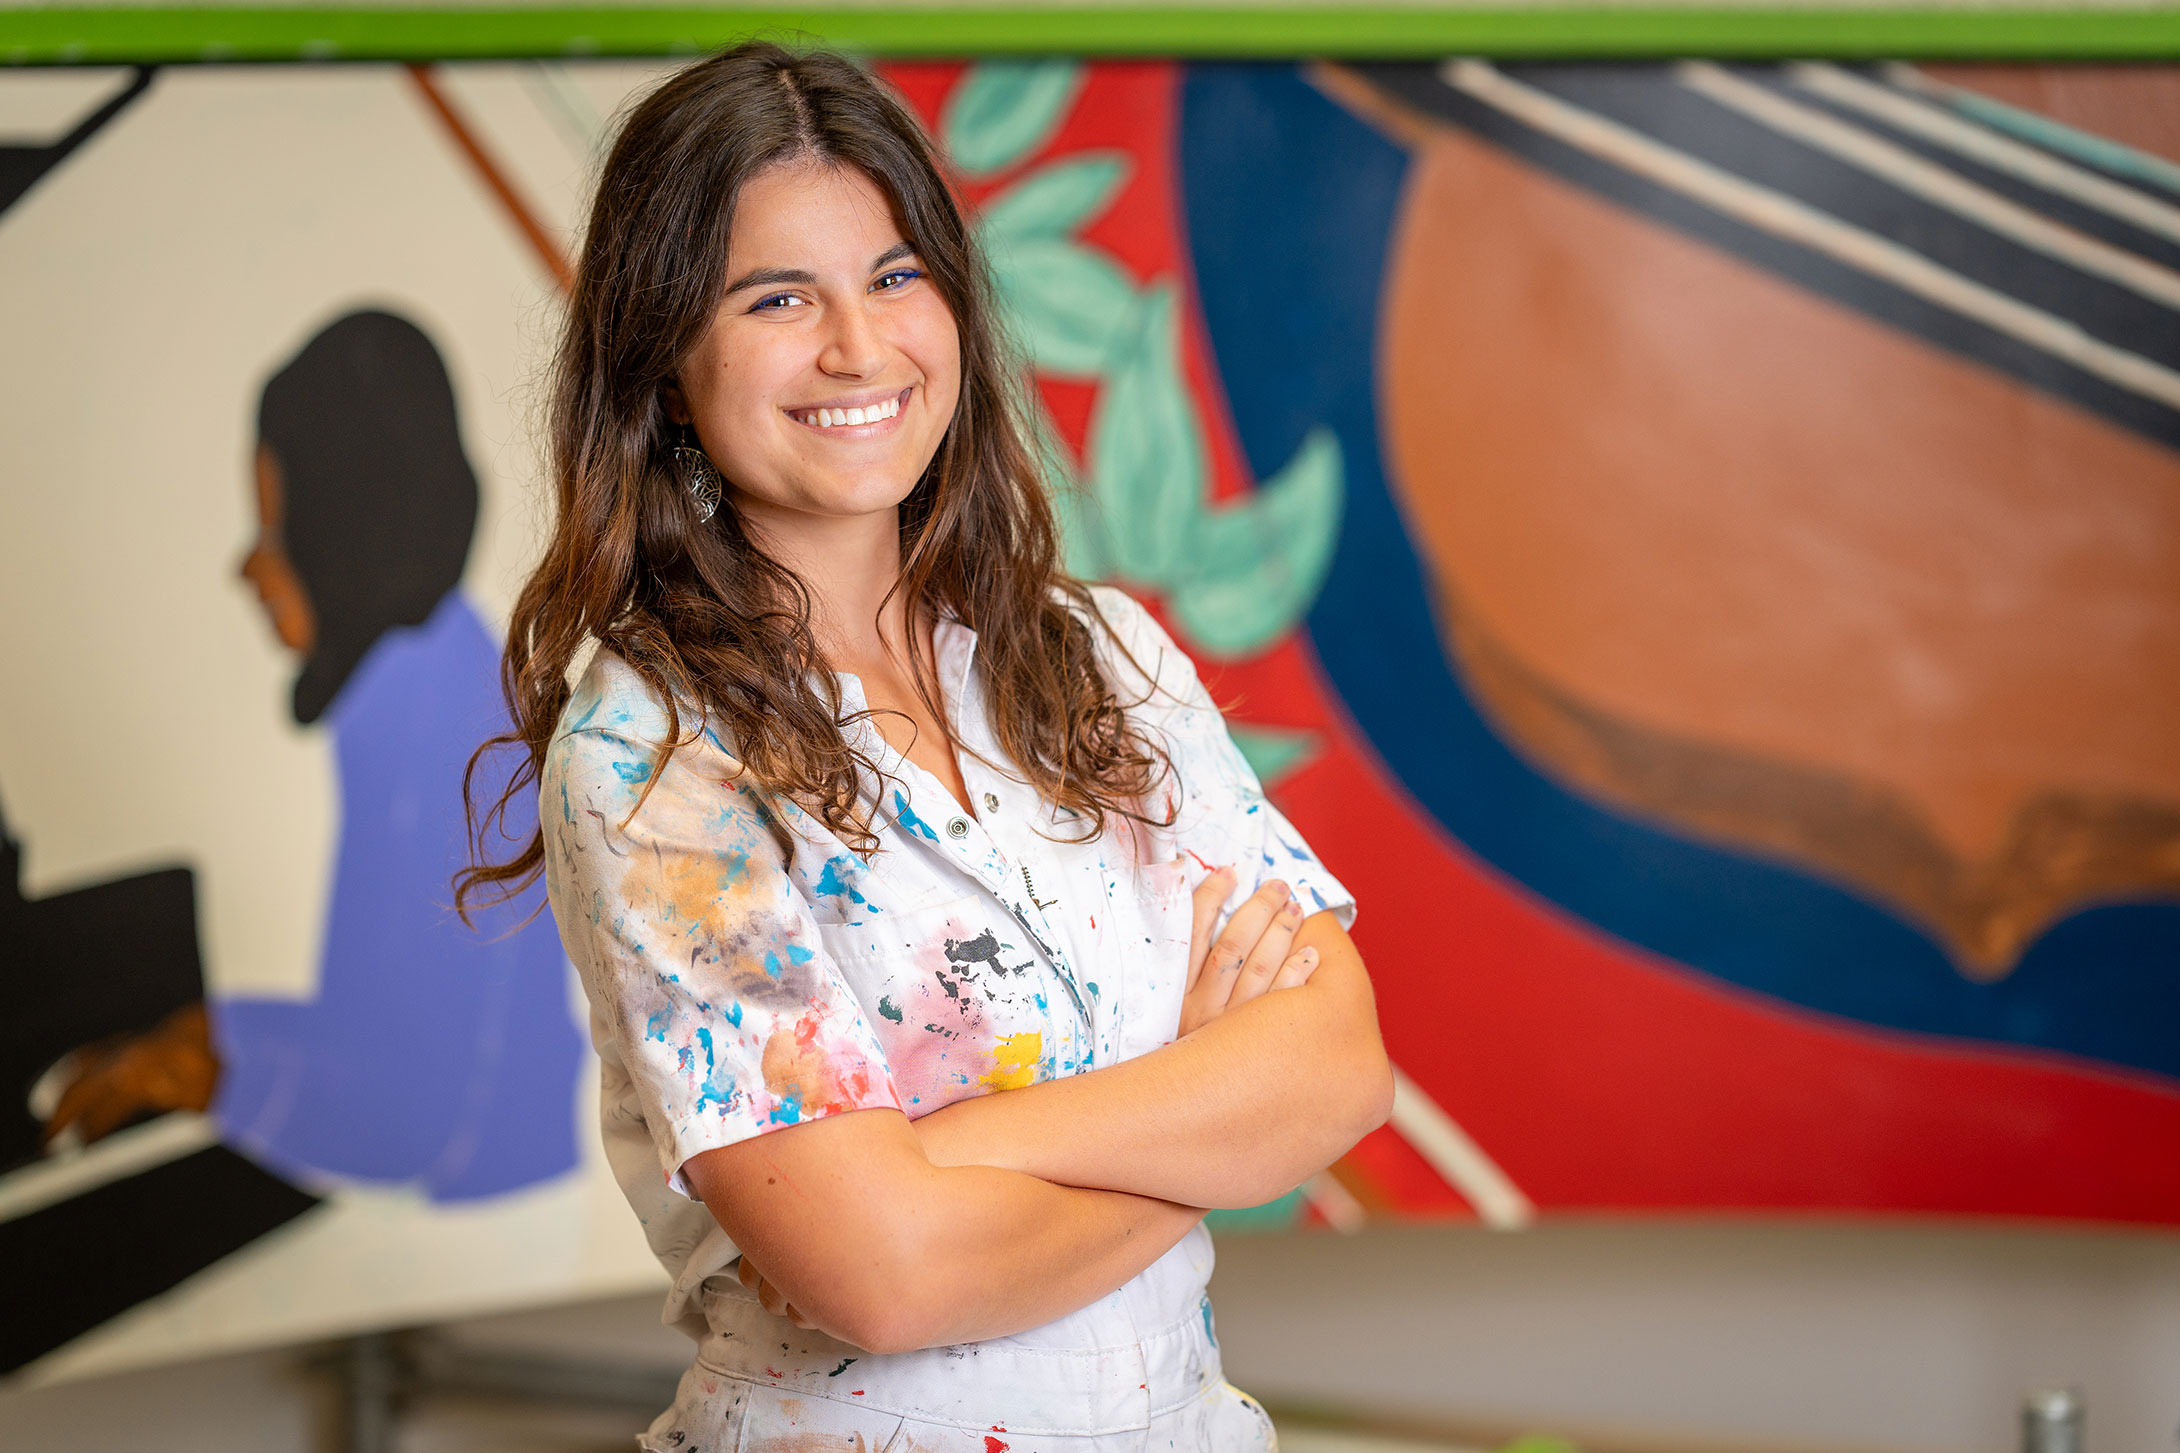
[1112, 1379]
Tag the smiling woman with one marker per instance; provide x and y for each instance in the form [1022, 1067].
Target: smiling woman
[864, 812]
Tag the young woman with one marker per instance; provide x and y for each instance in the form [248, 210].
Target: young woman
[863, 811]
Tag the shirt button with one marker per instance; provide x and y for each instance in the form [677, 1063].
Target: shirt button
[958, 827]
[991, 803]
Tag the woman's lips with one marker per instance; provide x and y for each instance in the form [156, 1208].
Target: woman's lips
[859, 420]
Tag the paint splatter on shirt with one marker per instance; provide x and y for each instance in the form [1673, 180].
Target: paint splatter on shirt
[736, 990]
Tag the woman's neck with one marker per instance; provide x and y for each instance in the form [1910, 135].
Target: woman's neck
[849, 566]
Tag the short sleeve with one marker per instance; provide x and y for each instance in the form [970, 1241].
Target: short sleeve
[1220, 815]
[701, 962]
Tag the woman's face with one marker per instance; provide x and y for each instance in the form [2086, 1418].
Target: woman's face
[266, 566]
[827, 318]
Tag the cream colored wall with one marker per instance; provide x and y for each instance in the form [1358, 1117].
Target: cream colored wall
[1681, 1337]
[147, 289]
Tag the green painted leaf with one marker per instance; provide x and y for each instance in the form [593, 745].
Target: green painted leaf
[1279, 1215]
[1003, 111]
[1063, 302]
[1146, 451]
[1274, 753]
[1084, 550]
[1259, 563]
[1054, 200]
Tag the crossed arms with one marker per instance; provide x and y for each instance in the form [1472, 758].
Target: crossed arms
[1000, 1213]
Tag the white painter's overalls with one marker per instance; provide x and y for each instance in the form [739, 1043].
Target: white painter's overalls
[986, 947]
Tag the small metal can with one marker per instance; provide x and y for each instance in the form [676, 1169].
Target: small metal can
[2051, 1420]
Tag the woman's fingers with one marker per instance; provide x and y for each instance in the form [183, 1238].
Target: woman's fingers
[1268, 956]
[1296, 971]
[1209, 897]
[1214, 986]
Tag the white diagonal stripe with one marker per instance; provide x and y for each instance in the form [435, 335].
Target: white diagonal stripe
[1334, 1202]
[1980, 143]
[1447, 1147]
[124, 1153]
[1933, 183]
[1784, 216]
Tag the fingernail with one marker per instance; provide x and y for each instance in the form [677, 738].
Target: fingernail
[1278, 886]
[1308, 957]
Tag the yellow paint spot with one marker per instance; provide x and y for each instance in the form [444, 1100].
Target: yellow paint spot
[1014, 1061]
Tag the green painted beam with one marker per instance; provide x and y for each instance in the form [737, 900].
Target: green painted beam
[94, 34]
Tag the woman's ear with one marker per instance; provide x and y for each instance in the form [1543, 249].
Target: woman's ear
[677, 407]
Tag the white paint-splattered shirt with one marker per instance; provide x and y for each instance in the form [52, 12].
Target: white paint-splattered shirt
[735, 992]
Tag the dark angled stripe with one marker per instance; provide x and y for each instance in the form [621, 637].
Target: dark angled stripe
[1649, 99]
[69, 1266]
[1418, 86]
[21, 167]
[2081, 216]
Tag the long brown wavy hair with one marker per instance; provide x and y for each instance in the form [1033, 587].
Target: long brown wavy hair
[694, 607]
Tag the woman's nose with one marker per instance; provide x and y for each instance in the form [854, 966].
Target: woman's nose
[853, 347]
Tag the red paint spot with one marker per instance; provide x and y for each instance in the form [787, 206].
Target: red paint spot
[1199, 861]
[993, 1445]
[774, 1372]
[857, 1393]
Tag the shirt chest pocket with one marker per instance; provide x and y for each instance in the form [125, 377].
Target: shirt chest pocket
[1143, 937]
[957, 995]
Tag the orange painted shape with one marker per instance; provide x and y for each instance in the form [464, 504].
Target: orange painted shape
[1699, 499]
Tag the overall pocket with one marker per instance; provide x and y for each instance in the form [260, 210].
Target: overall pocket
[958, 997]
[1144, 935]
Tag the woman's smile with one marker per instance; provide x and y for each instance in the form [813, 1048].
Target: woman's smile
[828, 328]
[863, 416]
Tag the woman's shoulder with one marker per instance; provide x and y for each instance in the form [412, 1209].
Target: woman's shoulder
[617, 724]
[1137, 655]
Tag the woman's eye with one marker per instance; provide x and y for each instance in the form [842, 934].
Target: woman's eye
[776, 303]
[899, 277]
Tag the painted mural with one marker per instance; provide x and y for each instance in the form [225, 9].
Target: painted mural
[1695, 548]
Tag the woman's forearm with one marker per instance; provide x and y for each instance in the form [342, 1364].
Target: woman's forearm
[875, 1245]
[1235, 1114]
[1011, 1251]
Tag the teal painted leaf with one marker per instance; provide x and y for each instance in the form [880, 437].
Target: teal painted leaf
[1063, 303]
[1274, 753]
[1054, 200]
[1003, 111]
[1258, 563]
[1279, 1215]
[1084, 552]
[1146, 450]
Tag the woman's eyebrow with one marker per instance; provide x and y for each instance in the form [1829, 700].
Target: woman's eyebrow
[767, 277]
[772, 277]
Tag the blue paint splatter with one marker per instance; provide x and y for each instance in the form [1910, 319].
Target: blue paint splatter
[789, 1110]
[907, 817]
[632, 773]
[831, 885]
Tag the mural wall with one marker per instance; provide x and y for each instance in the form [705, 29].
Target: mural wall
[1697, 549]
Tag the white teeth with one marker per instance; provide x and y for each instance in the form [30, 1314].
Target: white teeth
[834, 418]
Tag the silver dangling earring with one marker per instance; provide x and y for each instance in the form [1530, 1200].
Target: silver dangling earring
[700, 477]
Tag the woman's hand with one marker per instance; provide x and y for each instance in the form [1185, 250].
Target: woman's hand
[770, 1297]
[1250, 957]
[172, 1067]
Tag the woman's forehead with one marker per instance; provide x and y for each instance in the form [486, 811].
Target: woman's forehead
[813, 216]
